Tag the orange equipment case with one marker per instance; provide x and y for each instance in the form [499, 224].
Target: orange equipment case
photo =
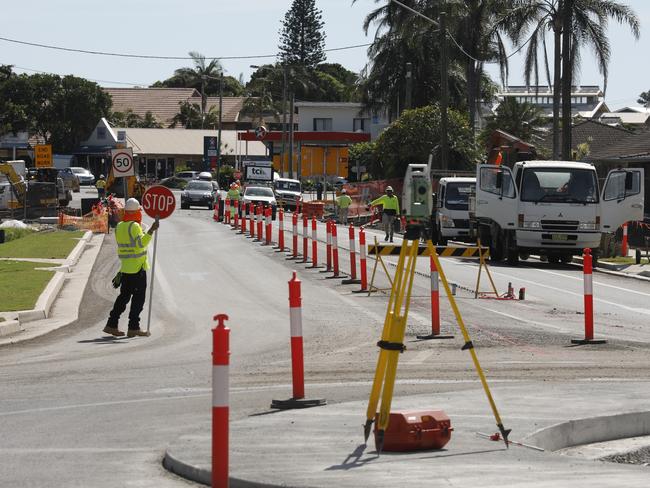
[416, 430]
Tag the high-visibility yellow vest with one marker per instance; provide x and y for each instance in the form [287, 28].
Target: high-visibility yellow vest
[132, 244]
[233, 194]
[343, 201]
[100, 184]
[389, 203]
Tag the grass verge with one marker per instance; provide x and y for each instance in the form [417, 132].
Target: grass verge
[12, 234]
[45, 245]
[623, 260]
[21, 284]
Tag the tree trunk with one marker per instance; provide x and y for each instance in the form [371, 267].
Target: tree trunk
[567, 73]
[557, 88]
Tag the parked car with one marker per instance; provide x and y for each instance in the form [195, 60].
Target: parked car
[287, 192]
[198, 193]
[188, 175]
[85, 177]
[261, 194]
[70, 179]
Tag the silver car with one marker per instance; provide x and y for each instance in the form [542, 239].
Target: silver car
[85, 177]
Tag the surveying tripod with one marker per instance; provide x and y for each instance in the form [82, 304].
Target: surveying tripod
[392, 337]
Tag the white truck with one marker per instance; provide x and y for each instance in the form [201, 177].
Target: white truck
[552, 208]
[452, 210]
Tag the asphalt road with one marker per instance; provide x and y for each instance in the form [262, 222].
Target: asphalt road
[79, 409]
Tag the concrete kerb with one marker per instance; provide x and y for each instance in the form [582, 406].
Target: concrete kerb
[78, 250]
[9, 327]
[42, 308]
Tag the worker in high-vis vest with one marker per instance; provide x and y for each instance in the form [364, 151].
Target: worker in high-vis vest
[343, 202]
[100, 184]
[233, 195]
[132, 244]
[390, 210]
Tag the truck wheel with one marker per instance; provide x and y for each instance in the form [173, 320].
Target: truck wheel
[513, 257]
[496, 250]
[553, 258]
[566, 258]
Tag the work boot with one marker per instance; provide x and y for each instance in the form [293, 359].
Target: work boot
[391, 239]
[386, 238]
[113, 331]
[136, 332]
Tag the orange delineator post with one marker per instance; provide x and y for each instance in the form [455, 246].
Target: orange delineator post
[244, 217]
[624, 243]
[435, 298]
[268, 213]
[294, 223]
[353, 257]
[236, 202]
[314, 243]
[362, 259]
[328, 226]
[297, 359]
[587, 266]
[281, 230]
[335, 250]
[215, 213]
[226, 213]
[260, 226]
[253, 221]
[305, 246]
[220, 401]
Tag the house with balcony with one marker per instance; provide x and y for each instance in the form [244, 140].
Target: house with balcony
[587, 101]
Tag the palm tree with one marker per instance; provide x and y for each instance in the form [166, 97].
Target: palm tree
[200, 74]
[190, 116]
[585, 23]
[523, 120]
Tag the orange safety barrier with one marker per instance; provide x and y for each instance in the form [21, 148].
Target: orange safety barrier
[313, 209]
[95, 221]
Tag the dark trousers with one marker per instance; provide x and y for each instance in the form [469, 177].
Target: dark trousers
[133, 288]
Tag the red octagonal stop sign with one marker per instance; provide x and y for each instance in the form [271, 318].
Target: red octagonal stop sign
[158, 202]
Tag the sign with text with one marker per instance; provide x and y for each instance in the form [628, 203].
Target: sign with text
[158, 202]
[43, 155]
[210, 151]
[259, 173]
[122, 162]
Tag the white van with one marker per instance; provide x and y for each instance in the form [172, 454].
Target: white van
[452, 210]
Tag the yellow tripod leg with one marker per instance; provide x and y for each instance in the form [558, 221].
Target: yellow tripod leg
[395, 344]
[468, 344]
[381, 360]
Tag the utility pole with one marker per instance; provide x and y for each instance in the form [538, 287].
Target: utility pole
[284, 119]
[409, 86]
[291, 136]
[220, 119]
[203, 99]
[444, 93]
[567, 33]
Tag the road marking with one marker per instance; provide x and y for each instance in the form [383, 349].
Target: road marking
[419, 358]
[599, 283]
[521, 319]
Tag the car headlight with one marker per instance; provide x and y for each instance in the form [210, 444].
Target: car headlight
[532, 224]
[588, 226]
[446, 221]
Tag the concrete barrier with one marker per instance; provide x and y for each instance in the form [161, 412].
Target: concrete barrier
[590, 430]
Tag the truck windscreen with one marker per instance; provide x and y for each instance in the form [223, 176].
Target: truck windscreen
[457, 195]
[559, 185]
[287, 185]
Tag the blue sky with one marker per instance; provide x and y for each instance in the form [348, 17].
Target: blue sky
[225, 28]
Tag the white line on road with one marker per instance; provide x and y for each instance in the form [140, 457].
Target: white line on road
[599, 283]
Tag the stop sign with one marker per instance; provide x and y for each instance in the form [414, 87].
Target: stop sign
[158, 202]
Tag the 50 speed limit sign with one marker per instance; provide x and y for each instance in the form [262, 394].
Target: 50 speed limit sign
[122, 162]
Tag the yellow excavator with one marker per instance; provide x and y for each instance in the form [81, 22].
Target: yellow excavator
[17, 185]
[116, 185]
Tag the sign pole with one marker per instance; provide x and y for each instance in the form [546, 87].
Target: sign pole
[153, 271]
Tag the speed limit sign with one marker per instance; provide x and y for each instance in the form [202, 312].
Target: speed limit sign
[122, 162]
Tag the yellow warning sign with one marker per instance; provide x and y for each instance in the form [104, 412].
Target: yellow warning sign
[43, 155]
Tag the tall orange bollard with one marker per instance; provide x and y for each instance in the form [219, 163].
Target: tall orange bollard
[267, 214]
[314, 243]
[220, 401]
[294, 237]
[260, 225]
[329, 245]
[624, 242]
[226, 213]
[281, 230]
[353, 260]
[305, 246]
[588, 301]
[362, 260]
[253, 219]
[244, 217]
[297, 353]
[435, 305]
[335, 251]
[236, 202]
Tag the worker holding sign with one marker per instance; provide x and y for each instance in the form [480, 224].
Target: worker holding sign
[132, 244]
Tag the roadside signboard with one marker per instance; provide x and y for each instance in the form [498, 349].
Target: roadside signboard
[122, 162]
[210, 151]
[43, 155]
[158, 202]
[258, 170]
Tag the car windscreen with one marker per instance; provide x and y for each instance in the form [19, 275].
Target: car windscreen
[258, 192]
[79, 171]
[559, 185]
[287, 186]
[199, 185]
[457, 195]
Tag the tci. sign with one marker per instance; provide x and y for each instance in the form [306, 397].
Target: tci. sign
[158, 202]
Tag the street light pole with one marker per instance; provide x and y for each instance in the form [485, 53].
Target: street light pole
[284, 119]
[220, 119]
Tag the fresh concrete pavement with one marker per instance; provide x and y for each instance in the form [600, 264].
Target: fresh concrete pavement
[116, 406]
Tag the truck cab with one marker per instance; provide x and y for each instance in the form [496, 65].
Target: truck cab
[554, 209]
[452, 210]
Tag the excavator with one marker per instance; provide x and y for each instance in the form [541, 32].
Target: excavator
[42, 194]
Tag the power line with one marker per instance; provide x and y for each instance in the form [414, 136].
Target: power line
[145, 56]
[89, 79]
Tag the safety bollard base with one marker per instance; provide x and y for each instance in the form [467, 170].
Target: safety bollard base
[315, 266]
[298, 403]
[583, 342]
[362, 290]
[294, 258]
[351, 281]
[434, 336]
[326, 270]
[335, 276]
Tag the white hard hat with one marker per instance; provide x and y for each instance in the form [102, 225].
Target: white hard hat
[132, 205]
[389, 188]
[343, 190]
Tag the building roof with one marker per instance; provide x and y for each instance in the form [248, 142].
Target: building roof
[186, 142]
[617, 118]
[599, 136]
[593, 90]
[634, 146]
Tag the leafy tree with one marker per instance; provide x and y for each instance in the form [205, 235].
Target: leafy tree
[523, 120]
[365, 154]
[416, 134]
[302, 40]
[149, 121]
[190, 116]
[644, 99]
[130, 119]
